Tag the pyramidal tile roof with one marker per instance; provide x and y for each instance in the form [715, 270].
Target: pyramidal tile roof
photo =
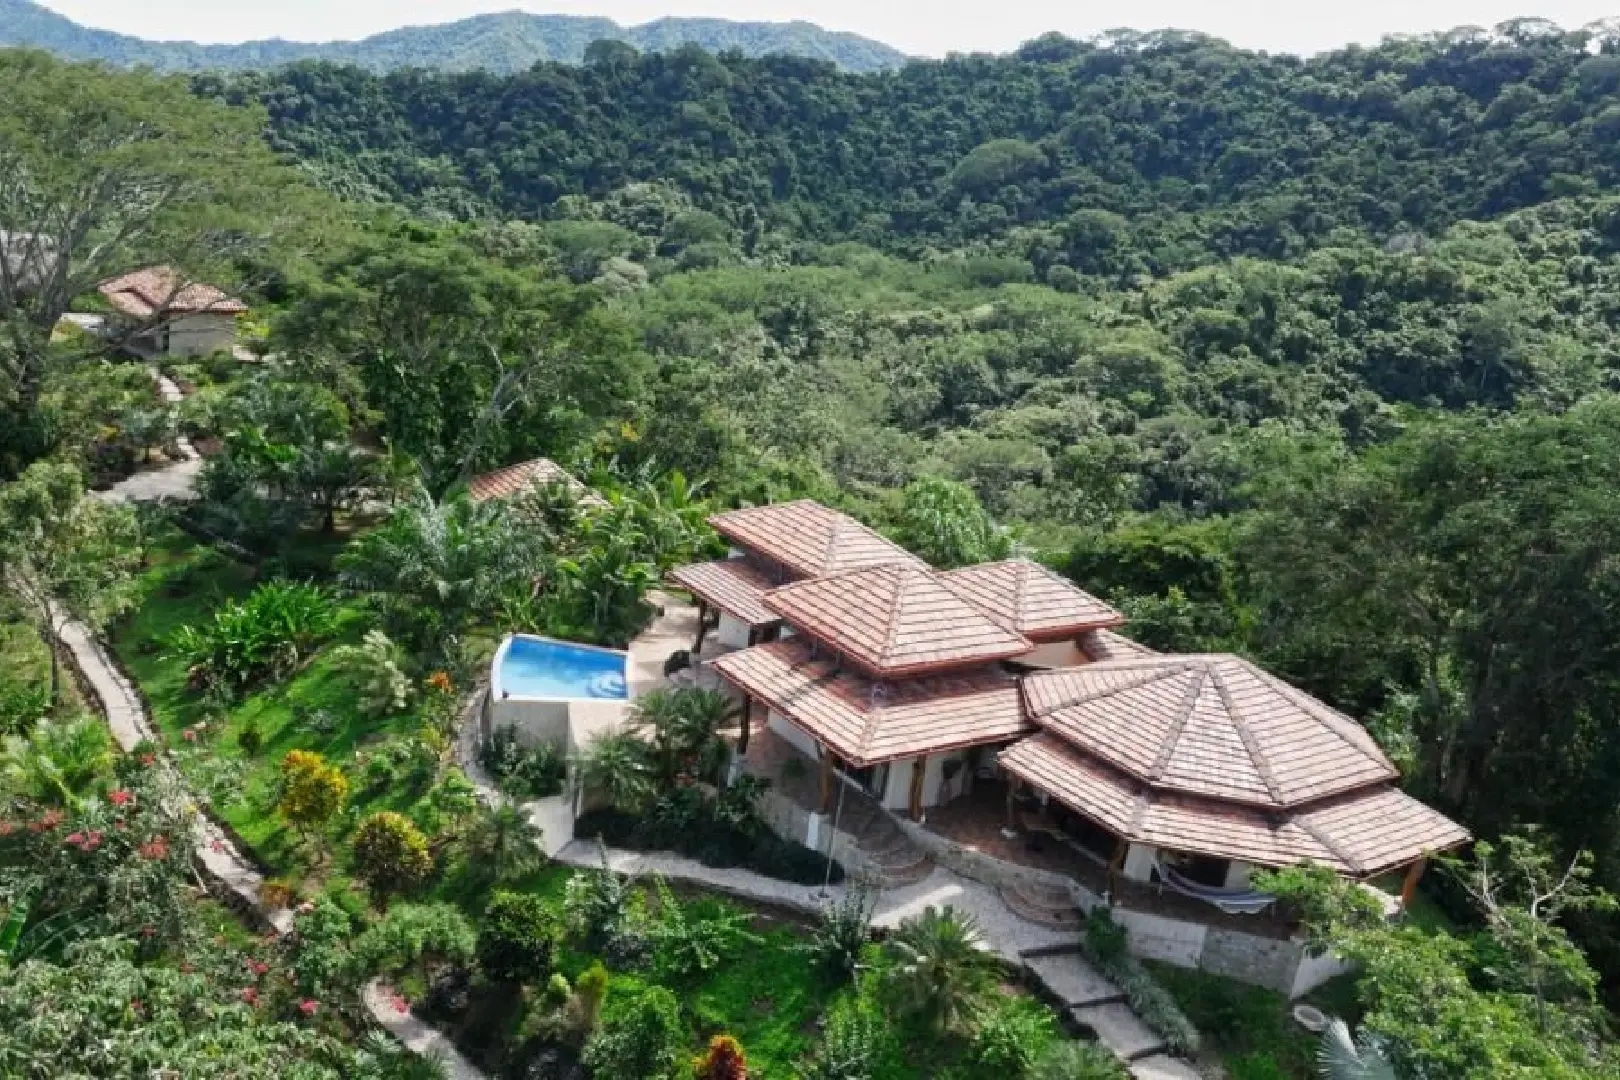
[735, 586]
[515, 479]
[895, 620]
[868, 721]
[1213, 726]
[809, 539]
[160, 289]
[1029, 599]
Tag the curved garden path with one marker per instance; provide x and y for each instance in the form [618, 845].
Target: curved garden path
[131, 723]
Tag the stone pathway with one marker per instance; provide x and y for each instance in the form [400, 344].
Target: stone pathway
[175, 482]
[416, 1034]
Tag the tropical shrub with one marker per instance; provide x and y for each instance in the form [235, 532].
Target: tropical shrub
[683, 726]
[693, 939]
[1105, 944]
[516, 938]
[595, 904]
[374, 671]
[390, 854]
[641, 1035]
[617, 765]
[1078, 1061]
[712, 830]
[523, 772]
[842, 930]
[724, 1060]
[247, 641]
[1009, 1038]
[55, 760]
[312, 790]
[938, 974]
[21, 703]
[410, 936]
[849, 1045]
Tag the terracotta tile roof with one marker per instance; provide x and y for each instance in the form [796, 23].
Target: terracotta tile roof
[869, 721]
[1029, 599]
[1376, 829]
[159, 289]
[895, 620]
[515, 479]
[1102, 645]
[735, 586]
[809, 539]
[1362, 833]
[1214, 726]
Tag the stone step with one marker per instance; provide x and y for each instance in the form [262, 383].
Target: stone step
[1163, 1067]
[1055, 914]
[1119, 1029]
[1073, 981]
[896, 876]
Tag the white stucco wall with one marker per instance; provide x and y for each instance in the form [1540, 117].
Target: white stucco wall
[1237, 875]
[534, 721]
[795, 736]
[732, 632]
[201, 334]
[897, 796]
[1139, 862]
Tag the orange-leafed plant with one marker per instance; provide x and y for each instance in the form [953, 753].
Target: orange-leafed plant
[724, 1061]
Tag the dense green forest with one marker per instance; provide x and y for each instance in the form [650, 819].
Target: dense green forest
[503, 43]
[1311, 360]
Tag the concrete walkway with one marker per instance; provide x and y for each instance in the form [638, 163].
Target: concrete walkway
[395, 1017]
[174, 482]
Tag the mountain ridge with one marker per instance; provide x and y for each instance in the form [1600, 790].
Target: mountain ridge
[500, 43]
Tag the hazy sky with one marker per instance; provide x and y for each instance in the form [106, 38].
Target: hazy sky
[923, 27]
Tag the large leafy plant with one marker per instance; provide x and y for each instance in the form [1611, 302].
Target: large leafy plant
[263, 636]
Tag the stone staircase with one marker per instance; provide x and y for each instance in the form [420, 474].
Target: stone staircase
[1098, 1008]
[898, 861]
[1045, 904]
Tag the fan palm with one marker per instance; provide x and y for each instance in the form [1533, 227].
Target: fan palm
[684, 725]
[505, 844]
[1342, 1057]
[615, 764]
[939, 974]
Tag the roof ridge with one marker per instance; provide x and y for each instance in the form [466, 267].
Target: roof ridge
[1172, 737]
[1339, 852]
[1021, 570]
[1150, 672]
[1250, 743]
[891, 632]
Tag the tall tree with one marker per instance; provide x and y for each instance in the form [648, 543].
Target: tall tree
[102, 173]
[64, 555]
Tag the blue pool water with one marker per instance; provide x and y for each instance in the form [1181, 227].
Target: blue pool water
[534, 667]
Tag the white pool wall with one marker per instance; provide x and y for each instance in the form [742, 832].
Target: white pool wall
[550, 720]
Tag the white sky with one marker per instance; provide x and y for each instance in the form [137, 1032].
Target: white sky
[920, 27]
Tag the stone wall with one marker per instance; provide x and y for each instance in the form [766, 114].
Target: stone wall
[997, 873]
[792, 822]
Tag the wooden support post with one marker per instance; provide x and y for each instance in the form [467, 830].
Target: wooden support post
[1012, 801]
[1414, 874]
[1122, 848]
[826, 779]
[747, 725]
[919, 772]
[703, 628]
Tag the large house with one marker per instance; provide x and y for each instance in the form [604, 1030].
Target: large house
[913, 685]
[170, 316]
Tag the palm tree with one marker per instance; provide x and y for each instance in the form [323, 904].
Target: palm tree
[939, 973]
[435, 567]
[615, 764]
[1342, 1057]
[504, 844]
[684, 725]
[56, 760]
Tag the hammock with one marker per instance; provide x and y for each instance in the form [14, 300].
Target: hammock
[1231, 901]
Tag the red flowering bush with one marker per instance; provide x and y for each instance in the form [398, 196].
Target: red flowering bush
[723, 1061]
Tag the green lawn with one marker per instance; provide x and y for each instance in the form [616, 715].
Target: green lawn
[1248, 1029]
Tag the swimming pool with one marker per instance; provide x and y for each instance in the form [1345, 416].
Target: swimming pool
[545, 669]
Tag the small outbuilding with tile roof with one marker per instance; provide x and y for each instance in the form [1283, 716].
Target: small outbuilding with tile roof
[516, 479]
[171, 315]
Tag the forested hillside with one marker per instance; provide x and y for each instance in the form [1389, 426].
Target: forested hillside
[502, 43]
[1139, 153]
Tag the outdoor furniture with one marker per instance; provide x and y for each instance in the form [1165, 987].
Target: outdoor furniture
[1231, 901]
